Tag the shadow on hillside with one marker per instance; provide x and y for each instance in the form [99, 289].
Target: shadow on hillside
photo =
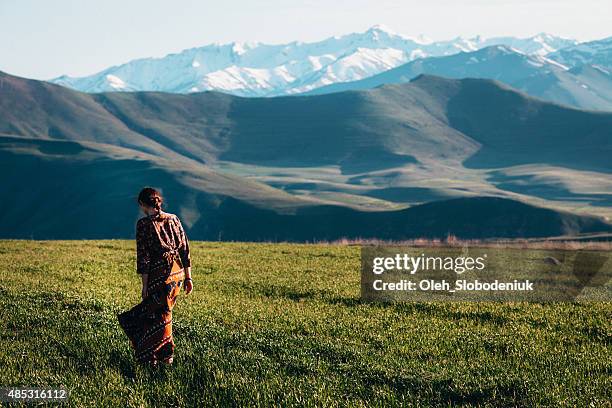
[528, 185]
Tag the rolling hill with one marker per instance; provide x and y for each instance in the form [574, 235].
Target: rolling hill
[69, 190]
[426, 158]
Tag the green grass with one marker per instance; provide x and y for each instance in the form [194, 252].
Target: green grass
[282, 324]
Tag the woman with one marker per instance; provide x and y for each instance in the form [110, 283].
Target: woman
[164, 263]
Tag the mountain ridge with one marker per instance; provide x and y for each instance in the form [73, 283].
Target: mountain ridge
[584, 86]
[157, 121]
[257, 69]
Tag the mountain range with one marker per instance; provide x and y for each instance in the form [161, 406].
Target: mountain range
[583, 86]
[597, 53]
[426, 158]
[256, 69]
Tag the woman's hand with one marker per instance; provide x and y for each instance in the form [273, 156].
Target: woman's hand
[143, 292]
[188, 282]
[188, 286]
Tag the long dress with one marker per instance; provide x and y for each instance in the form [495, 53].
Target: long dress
[162, 252]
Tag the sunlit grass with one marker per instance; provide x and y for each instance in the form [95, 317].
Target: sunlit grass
[282, 324]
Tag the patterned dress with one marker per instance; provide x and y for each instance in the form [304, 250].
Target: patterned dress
[162, 251]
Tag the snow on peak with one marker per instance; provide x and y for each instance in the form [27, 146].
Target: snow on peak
[423, 39]
[380, 33]
[552, 62]
[601, 69]
[239, 48]
[597, 52]
[256, 69]
[381, 28]
[115, 82]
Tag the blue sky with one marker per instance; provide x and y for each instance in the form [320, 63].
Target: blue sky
[43, 39]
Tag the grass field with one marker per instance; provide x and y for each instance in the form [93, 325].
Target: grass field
[282, 324]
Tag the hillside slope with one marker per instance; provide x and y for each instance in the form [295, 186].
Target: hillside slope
[307, 167]
[429, 117]
[68, 190]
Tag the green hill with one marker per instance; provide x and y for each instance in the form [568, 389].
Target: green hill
[350, 164]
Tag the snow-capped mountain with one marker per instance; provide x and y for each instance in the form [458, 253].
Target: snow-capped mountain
[597, 53]
[499, 62]
[584, 86]
[256, 69]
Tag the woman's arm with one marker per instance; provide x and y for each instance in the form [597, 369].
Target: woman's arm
[183, 249]
[145, 280]
[185, 257]
[142, 248]
[142, 255]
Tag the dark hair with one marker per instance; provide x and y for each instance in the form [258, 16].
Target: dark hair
[151, 198]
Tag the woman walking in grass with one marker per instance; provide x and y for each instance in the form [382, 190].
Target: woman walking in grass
[164, 263]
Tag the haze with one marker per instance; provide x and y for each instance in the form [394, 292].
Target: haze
[43, 40]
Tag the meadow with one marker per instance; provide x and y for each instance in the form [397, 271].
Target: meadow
[283, 325]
